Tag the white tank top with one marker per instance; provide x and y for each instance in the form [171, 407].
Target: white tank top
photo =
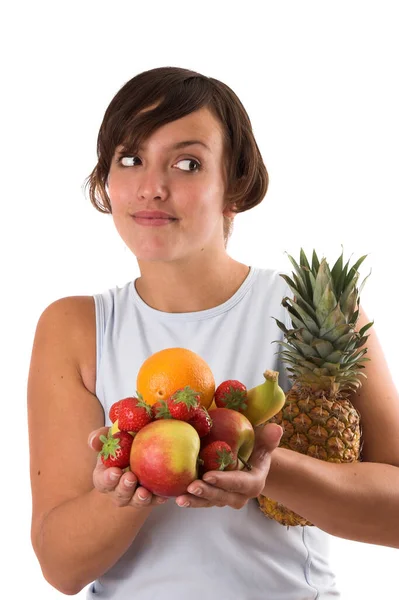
[209, 553]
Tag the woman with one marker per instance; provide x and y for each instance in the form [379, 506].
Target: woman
[177, 161]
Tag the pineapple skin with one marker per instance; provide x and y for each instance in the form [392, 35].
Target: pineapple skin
[327, 428]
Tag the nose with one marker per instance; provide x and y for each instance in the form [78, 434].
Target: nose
[153, 185]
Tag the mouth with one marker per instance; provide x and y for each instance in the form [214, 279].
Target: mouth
[153, 219]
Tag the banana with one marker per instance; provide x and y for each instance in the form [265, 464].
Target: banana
[115, 428]
[265, 400]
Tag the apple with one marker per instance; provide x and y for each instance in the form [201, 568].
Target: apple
[235, 429]
[164, 457]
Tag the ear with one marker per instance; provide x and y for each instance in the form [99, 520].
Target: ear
[228, 212]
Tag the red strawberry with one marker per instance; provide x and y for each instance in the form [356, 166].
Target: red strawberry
[116, 449]
[160, 410]
[182, 403]
[231, 394]
[217, 456]
[114, 411]
[134, 414]
[201, 421]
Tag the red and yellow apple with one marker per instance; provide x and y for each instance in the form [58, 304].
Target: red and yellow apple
[164, 457]
[235, 429]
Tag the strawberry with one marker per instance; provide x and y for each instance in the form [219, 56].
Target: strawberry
[114, 411]
[116, 449]
[217, 456]
[182, 403]
[160, 410]
[134, 414]
[231, 394]
[201, 421]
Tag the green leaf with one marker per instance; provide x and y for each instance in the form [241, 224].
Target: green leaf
[365, 328]
[348, 303]
[341, 280]
[354, 269]
[310, 324]
[333, 321]
[333, 333]
[315, 263]
[323, 280]
[323, 347]
[303, 261]
[300, 272]
[337, 269]
[342, 342]
[326, 305]
[292, 285]
[335, 356]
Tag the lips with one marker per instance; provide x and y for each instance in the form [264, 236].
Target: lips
[153, 218]
[153, 214]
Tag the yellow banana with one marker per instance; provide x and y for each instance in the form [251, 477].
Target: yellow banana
[115, 428]
[265, 400]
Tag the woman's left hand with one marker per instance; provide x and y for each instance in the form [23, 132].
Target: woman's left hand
[235, 488]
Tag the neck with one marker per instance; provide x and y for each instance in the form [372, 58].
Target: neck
[189, 287]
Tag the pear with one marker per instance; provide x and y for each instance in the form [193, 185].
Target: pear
[265, 400]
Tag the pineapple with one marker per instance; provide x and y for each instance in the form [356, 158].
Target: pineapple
[324, 355]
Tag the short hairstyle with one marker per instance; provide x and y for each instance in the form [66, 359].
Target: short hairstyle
[179, 92]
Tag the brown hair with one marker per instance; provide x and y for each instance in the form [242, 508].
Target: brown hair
[179, 92]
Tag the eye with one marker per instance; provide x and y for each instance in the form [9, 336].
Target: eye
[126, 161]
[129, 161]
[190, 160]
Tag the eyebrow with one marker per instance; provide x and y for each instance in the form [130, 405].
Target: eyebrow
[185, 143]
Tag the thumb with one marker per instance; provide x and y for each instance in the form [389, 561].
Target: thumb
[94, 438]
[267, 438]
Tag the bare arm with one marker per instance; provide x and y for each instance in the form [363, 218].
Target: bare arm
[77, 531]
[358, 501]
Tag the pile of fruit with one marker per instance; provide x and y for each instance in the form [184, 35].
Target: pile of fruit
[179, 425]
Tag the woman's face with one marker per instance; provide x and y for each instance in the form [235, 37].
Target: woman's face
[168, 200]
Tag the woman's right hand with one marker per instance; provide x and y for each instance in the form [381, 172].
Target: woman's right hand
[122, 487]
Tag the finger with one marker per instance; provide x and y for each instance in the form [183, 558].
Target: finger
[191, 501]
[94, 438]
[267, 438]
[201, 495]
[105, 479]
[246, 483]
[123, 493]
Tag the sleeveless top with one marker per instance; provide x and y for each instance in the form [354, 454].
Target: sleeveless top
[210, 553]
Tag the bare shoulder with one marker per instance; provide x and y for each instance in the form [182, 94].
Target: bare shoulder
[71, 321]
[378, 403]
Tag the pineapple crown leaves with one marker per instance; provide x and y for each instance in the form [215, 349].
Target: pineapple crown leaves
[324, 311]
[186, 396]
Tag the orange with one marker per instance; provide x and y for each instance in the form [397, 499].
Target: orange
[166, 371]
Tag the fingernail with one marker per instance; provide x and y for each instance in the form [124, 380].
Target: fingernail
[183, 504]
[129, 483]
[114, 476]
[91, 438]
[209, 479]
[143, 498]
[195, 491]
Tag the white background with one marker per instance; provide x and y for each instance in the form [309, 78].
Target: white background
[319, 81]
